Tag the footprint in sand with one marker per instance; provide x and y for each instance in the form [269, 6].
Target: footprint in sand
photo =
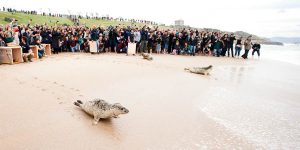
[77, 90]
[54, 82]
[44, 90]
[62, 85]
[80, 95]
[36, 78]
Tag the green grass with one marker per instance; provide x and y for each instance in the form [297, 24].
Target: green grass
[23, 19]
[36, 19]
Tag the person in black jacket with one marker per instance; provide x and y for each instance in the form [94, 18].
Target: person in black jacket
[144, 40]
[95, 34]
[171, 42]
[256, 48]
[113, 39]
[225, 40]
[230, 45]
[27, 53]
[151, 41]
[55, 40]
[193, 40]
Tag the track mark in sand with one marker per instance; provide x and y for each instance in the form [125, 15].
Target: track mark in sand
[61, 94]
[21, 82]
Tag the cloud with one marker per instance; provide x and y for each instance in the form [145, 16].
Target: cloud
[281, 11]
[286, 4]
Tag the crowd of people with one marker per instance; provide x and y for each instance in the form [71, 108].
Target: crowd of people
[115, 39]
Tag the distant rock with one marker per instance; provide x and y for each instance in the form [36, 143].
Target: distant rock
[258, 39]
[290, 40]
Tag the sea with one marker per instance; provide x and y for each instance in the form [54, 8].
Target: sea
[289, 53]
[260, 98]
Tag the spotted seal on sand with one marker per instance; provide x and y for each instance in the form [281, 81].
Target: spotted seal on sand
[147, 56]
[200, 70]
[101, 109]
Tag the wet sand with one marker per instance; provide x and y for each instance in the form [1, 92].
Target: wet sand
[242, 104]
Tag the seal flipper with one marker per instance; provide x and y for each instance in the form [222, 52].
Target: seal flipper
[77, 104]
[79, 101]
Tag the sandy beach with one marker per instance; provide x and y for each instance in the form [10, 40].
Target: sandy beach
[251, 104]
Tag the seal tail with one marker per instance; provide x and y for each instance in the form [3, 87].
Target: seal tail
[208, 67]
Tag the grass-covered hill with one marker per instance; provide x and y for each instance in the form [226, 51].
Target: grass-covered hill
[39, 19]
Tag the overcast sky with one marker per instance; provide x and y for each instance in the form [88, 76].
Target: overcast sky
[267, 18]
